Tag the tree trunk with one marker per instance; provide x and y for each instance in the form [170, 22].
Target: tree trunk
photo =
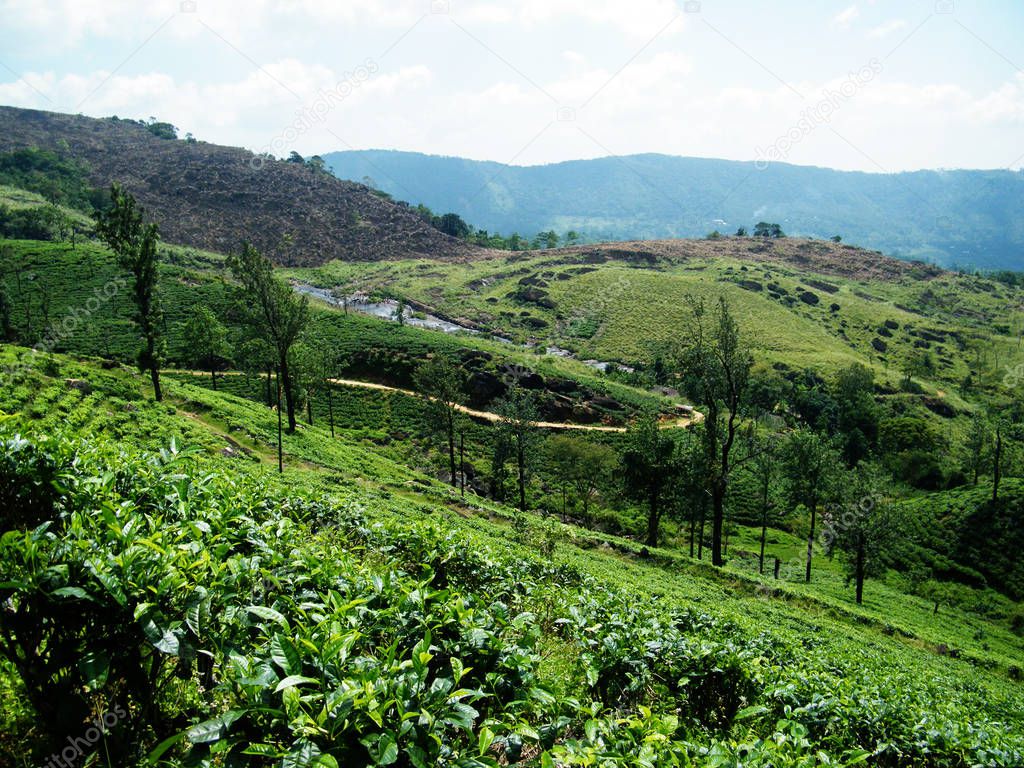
[764, 524]
[462, 463]
[764, 534]
[154, 375]
[289, 396]
[280, 446]
[810, 542]
[270, 396]
[652, 521]
[997, 461]
[213, 376]
[717, 522]
[309, 408]
[700, 536]
[693, 530]
[521, 462]
[330, 408]
[451, 454]
[860, 572]
[778, 567]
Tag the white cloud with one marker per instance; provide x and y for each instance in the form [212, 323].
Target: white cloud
[636, 19]
[886, 29]
[251, 111]
[845, 17]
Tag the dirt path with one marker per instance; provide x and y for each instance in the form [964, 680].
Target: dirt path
[680, 423]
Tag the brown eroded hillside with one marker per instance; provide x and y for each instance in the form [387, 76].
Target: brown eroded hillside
[213, 197]
[818, 256]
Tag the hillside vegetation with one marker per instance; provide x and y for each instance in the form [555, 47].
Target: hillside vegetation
[802, 303]
[341, 615]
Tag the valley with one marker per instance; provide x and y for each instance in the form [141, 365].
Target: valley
[359, 492]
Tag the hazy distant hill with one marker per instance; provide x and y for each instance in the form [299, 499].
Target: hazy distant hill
[952, 217]
[213, 197]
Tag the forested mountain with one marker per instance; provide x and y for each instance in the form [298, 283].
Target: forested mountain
[961, 217]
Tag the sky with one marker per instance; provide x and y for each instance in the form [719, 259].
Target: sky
[870, 85]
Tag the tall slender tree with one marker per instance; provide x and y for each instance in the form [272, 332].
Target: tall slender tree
[441, 382]
[134, 242]
[715, 364]
[274, 310]
[206, 340]
[863, 527]
[518, 412]
[810, 464]
[763, 470]
[648, 468]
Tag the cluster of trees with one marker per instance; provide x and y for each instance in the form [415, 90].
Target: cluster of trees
[314, 163]
[159, 128]
[833, 471]
[41, 222]
[766, 229]
[454, 225]
[273, 313]
[56, 176]
[761, 229]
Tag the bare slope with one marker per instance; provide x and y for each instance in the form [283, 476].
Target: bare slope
[213, 197]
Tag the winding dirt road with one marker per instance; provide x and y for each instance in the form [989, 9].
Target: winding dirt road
[679, 423]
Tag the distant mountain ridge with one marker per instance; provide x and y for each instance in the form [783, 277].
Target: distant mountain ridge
[213, 197]
[960, 217]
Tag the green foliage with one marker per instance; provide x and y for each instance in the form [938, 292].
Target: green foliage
[582, 466]
[517, 434]
[59, 179]
[35, 223]
[273, 311]
[912, 450]
[764, 229]
[442, 382]
[324, 585]
[648, 468]
[205, 340]
[135, 244]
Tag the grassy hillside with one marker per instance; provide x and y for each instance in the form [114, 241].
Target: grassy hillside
[75, 298]
[802, 304]
[353, 611]
[951, 217]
